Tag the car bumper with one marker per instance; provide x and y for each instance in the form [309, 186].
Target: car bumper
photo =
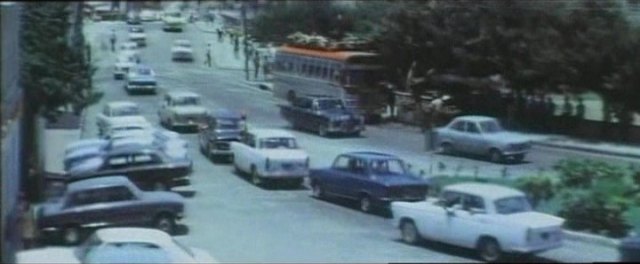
[219, 152]
[189, 124]
[341, 129]
[182, 181]
[386, 201]
[140, 42]
[182, 58]
[285, 174]
[141, 87]
[530, 249]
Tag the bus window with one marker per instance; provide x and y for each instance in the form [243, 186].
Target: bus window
[303, 70]
[324, 72]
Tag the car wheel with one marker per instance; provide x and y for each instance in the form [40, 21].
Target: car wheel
[447, 148]
[365, 203]
[495, 156]
[71, 235]
[322, 131]
[489, 250]
[409, 232]
[317, 191]
[255, 178]
[165, 223]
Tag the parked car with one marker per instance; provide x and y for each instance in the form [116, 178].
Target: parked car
[129, 46]
[145, 140]
[482, 136]
[373, 179]
[489, 218]
[148, 167]
[323, 114]
[219, 129]
[120, 245]
[125, 123]
[270, 154]
[124, 62]
[141, 78]
[107, 201]
[181, 109]
[137, 35]
[181, 50]
[114, 111]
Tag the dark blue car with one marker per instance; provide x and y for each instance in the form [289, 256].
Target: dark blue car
[373, 179]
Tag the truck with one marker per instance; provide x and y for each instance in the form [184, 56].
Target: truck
[323, 114]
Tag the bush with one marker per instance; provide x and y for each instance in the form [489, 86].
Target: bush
[590, 211]
[538, 188]
[582, 174]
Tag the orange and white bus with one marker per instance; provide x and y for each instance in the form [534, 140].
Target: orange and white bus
[353, 76]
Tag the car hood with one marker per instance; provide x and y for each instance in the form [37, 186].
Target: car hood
[83, 152]
[398, 180]
[534, 219]
[189, 110]
[92, 164]
[285, 154]
[48, 255]
[141, 78]
[94, 142]
[507, 137]
[201, 256]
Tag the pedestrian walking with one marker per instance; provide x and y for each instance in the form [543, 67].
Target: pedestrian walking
[220, 36]
[256, 66]
[567, 113]
[208, 54]
[27, 223]
[113, 40]
[391, 100]
[265, 67]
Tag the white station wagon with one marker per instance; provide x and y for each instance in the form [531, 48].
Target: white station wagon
[489, 218]
[270, 154]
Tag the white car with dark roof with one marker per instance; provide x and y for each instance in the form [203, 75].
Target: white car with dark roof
[490, 218]
[270, 154]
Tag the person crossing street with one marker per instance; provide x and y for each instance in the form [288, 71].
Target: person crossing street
[208, 54]
[113, 40]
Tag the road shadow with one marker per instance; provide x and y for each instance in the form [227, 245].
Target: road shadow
[353, 205]
[510, 162]
[270, 185]
[328, 136]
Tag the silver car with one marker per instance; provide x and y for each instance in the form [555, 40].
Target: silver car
[481, 135]
[181, 109]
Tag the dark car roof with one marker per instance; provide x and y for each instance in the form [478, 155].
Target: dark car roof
[224, 113]
[370, 155]
[98, 182]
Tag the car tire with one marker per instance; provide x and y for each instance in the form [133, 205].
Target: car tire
[166, 223]
[489, 249]
[255, 178]
[364, 203]
[409, 232]
[495, 156]
[322, 131]
[71, 235]
[317, 191]
[446, 148]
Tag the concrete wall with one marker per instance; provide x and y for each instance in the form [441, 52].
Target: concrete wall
[11, 129]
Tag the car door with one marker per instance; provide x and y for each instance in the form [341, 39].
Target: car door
[244, 148]
[85, 208]
[444, 224]
[454, 134]
[353, 178]
[146, 168]
[473, 138]
[332, 179]
[122, 207]
[467, 222]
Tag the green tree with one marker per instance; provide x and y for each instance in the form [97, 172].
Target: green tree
[538, 188]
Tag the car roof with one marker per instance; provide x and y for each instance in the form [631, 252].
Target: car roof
[269, 132]
[182, 94]
[475, 118]
[133, 234]
[224, 113]
[98, 182]
[118, 104]
[491, 191]
[370, 155]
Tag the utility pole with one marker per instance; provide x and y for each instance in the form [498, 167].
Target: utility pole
[243, 11]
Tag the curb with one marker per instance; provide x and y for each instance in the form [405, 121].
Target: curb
[586, 149]
[591, 239]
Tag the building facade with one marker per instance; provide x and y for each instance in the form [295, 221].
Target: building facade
[11, 97]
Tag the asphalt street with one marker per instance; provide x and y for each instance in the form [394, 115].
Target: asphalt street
[238, 222]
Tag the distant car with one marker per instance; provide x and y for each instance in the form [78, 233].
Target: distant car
[108, 201]
[323, 114]
[181, 109]
[133, 18]
[141, 78]
[148, 15]
[482, 136]
[182, 50]
[114, 111]
[124, 62]
[129, 46]
[137, 35]
[270, 154]
[373, 179]
[490, 218]
[219, 129]
[148, 167]
[134, 122]
[73, 158]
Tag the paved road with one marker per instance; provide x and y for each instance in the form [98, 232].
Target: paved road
[238, 222]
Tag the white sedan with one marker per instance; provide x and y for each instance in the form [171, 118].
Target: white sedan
[125, 61]
[114, 111]
[182, 50]
[107, 241]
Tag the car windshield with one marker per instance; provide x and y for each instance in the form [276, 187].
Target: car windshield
[278, 142]
[126, 111]
[387, 167]
[228, 124]
[490, 127]
[512, 205]
[330, 104]
[184, 101]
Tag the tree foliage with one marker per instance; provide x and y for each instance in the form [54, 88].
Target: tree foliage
[538, 188]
